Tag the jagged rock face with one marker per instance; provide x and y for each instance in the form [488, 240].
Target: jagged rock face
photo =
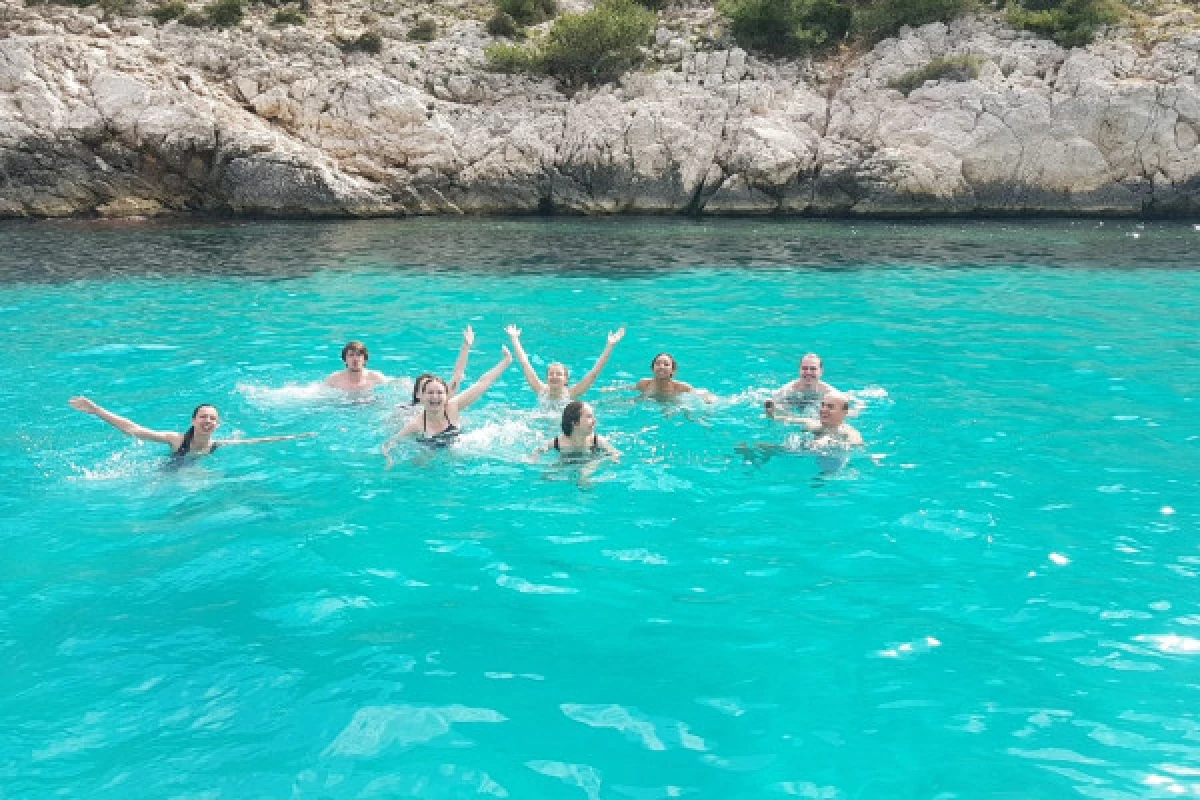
[128, 118]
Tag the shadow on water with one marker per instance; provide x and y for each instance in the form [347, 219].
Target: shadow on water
[61, 251]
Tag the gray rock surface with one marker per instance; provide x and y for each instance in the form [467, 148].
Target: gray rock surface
[124, 117]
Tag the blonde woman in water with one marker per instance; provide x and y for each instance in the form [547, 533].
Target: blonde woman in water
[556, 389]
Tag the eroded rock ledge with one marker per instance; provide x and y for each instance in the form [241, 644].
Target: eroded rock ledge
[127, 118]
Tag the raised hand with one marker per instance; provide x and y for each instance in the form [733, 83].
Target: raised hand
[468, 336]
[507, 354]
[616, 336]
[513, 331]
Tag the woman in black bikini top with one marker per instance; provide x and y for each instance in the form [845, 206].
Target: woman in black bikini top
[438, 424]
[579, 437]
[197, 440]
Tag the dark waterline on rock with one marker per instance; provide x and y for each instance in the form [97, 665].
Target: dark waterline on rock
[60, 251]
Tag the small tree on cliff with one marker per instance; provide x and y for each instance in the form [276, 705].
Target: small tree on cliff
[594, 47]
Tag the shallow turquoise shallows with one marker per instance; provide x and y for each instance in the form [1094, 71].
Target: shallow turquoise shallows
[997, 598]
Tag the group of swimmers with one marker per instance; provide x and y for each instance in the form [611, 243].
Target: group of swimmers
[438, 421]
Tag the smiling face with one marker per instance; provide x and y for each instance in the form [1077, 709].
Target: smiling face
[834, 407]
[556, 376]
[663, 366]
[811, 370]
[433, 394]
[206, 419]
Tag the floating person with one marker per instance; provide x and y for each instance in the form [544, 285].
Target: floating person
[197, 440]
[357, 378]
[555, 389]
[663, 385]
[438, 423]
[806, 391]
[579, 440]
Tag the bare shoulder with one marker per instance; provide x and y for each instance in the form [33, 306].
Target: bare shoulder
[682, 387]
[644, 384]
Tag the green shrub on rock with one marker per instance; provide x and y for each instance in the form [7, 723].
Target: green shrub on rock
[503, 24]
[949, 68]
[528, 12]
[787, 27]
[597, 46]
[169, 11]
[1070, 23]
[194, 19]
[367, 42]
[288, 16]
[884, 18]
[225, 13]
[425, 30]
[510, 58]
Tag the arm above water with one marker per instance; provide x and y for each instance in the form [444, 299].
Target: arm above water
[579, 389]
[465, 399]
[606, 446]
[460, 365]
[809, 425]
[126, 426]
[531, 377]
[409, 429]
[265, 439]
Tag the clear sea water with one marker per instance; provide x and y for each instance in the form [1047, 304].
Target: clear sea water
[997, 598]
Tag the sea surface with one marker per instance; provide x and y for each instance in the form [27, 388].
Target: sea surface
[997, 597]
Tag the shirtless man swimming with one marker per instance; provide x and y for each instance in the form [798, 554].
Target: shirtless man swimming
[355, 377]
[807, 391]
[830, 430]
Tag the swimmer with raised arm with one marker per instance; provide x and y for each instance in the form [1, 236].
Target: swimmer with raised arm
[438, 423]
[197, 440]
[555, 388]
[806, 391]
[357, 378]
[579, 440]
[663, 385]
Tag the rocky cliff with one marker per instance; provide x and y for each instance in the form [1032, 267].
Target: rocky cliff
[123, 116]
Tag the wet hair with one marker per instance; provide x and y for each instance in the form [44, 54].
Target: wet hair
[566, 372]
[355, 347]
[674, 364]
[820, 362]
[204, 405]
[435, 379]
[572, 413]
[190, 433]
[419, 384]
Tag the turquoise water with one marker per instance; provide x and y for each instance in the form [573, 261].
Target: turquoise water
[997, 598]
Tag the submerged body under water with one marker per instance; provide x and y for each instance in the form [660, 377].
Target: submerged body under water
[996, 597]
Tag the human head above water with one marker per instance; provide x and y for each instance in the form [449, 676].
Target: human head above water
[419, 384]
[664, 362]
[557, 374]
[434, 391]
[357, 348]
[811, 367]
[834, 407]
[576, 413]
[206, 418]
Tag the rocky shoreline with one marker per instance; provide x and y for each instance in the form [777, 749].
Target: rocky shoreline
[124, 117]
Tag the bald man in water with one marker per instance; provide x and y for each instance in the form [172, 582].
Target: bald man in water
[830, 429]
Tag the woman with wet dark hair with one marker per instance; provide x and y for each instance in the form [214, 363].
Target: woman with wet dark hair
[579, 438]
[196, 440]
